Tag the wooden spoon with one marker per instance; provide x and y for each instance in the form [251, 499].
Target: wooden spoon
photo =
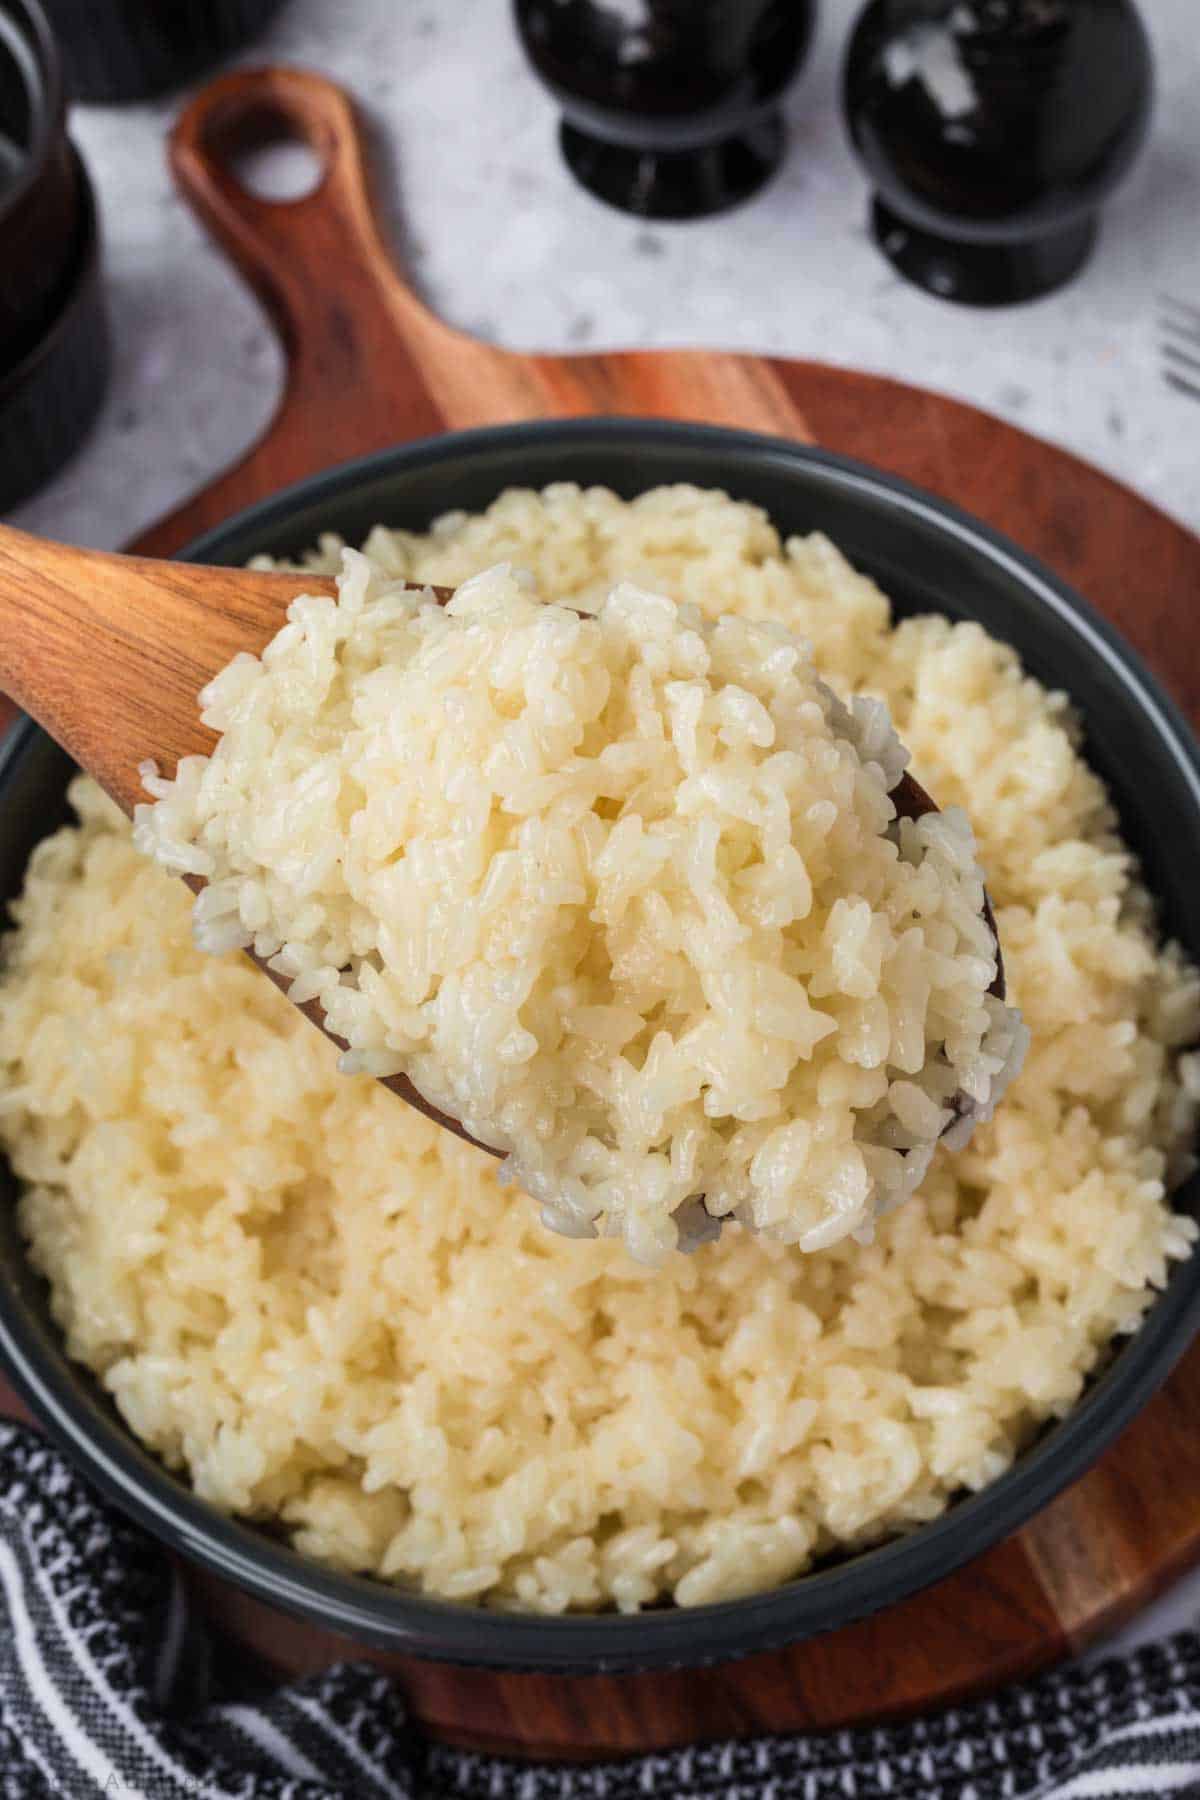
[110, 653]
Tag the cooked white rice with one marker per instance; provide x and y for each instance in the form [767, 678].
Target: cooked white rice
[625, 893]
[329, 1312]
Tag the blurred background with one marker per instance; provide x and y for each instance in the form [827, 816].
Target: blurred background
[500, 239]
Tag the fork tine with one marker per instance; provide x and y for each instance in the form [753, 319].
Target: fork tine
[1180, 328]
[1186, 359]
[1191, 388]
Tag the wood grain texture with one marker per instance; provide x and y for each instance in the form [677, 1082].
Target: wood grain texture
[110, 652]
[368, 365]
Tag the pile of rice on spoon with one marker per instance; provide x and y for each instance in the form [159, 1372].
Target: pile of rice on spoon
[626, 893]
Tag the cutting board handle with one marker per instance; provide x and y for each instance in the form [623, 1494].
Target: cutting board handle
[283, 247]
[359, 343]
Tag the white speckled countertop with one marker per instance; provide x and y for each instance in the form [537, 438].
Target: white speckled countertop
[501, 241]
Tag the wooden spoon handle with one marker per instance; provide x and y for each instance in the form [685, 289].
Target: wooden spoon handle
[110, 652]
[302, 254]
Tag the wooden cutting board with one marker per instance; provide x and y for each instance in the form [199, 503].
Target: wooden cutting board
[369, 365]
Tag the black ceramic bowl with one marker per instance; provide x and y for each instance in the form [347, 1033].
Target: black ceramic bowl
[926, 555]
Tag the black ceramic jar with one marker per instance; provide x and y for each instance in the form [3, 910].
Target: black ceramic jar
[54, 347]
[992, 131]
[670, 107]
[117, 50]
[40, 200]
[50, 395]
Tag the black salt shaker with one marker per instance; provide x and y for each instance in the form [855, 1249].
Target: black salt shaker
[992, 131]
[670, 107]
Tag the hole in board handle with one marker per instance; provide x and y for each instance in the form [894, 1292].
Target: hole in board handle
[268, 153]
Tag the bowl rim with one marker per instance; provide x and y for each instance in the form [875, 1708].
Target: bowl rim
[823, 1599]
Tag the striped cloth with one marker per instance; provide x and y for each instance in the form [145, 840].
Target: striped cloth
[107, 1688]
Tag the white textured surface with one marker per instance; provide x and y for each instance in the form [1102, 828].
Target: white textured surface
[500, 240]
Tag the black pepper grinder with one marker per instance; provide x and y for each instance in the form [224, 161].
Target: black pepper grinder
[670, 107]
[992, 131]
